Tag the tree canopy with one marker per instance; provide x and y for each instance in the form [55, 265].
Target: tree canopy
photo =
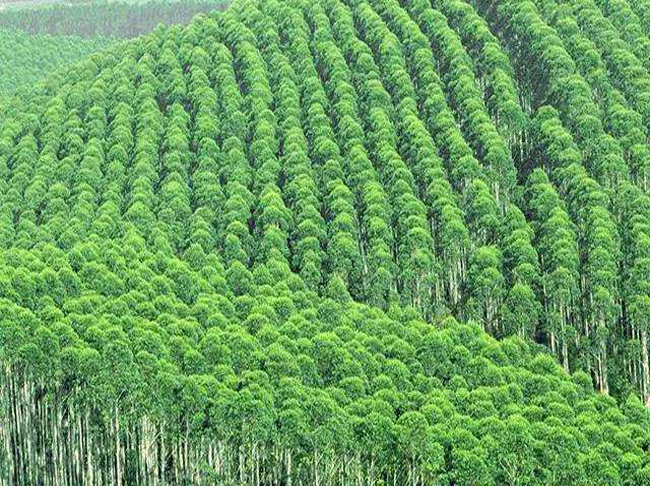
[331, 242]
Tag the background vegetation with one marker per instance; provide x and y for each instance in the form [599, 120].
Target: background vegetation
[25, 59]
[111, 19]
[39, 39]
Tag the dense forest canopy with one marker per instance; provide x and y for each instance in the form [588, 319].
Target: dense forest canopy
[332, 242]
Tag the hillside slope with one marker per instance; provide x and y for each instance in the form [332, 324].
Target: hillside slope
[43, 40]
[25, 59]
[121, 19]
[241, 252]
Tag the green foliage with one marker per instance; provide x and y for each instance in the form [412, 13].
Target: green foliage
[122, 19]
[25, 59]
[331, 242]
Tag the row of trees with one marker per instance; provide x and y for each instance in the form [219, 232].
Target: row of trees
[629, 26]
[377, 254]
[493, 71]
[626, 70]
[626, 125]
[616, 157]
[509, 296]
[639, 7]
[416, 263]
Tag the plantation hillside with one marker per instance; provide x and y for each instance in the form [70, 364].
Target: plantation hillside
[334, 242]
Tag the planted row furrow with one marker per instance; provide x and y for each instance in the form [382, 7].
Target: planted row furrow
[627, 126]
[235, 173]
[598, 240]
[207, 196]
[556, 243]
[342, 264]
[513, 233]
[271, 220]
[466, 173]
[446, 219]
[138, 128]
[423, 176]
[8, 136]
[603, 303]
[493, 302]
[480, 302]
[642, 9]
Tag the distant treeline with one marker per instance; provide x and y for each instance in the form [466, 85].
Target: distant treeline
[116, 19]
[26, 59]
